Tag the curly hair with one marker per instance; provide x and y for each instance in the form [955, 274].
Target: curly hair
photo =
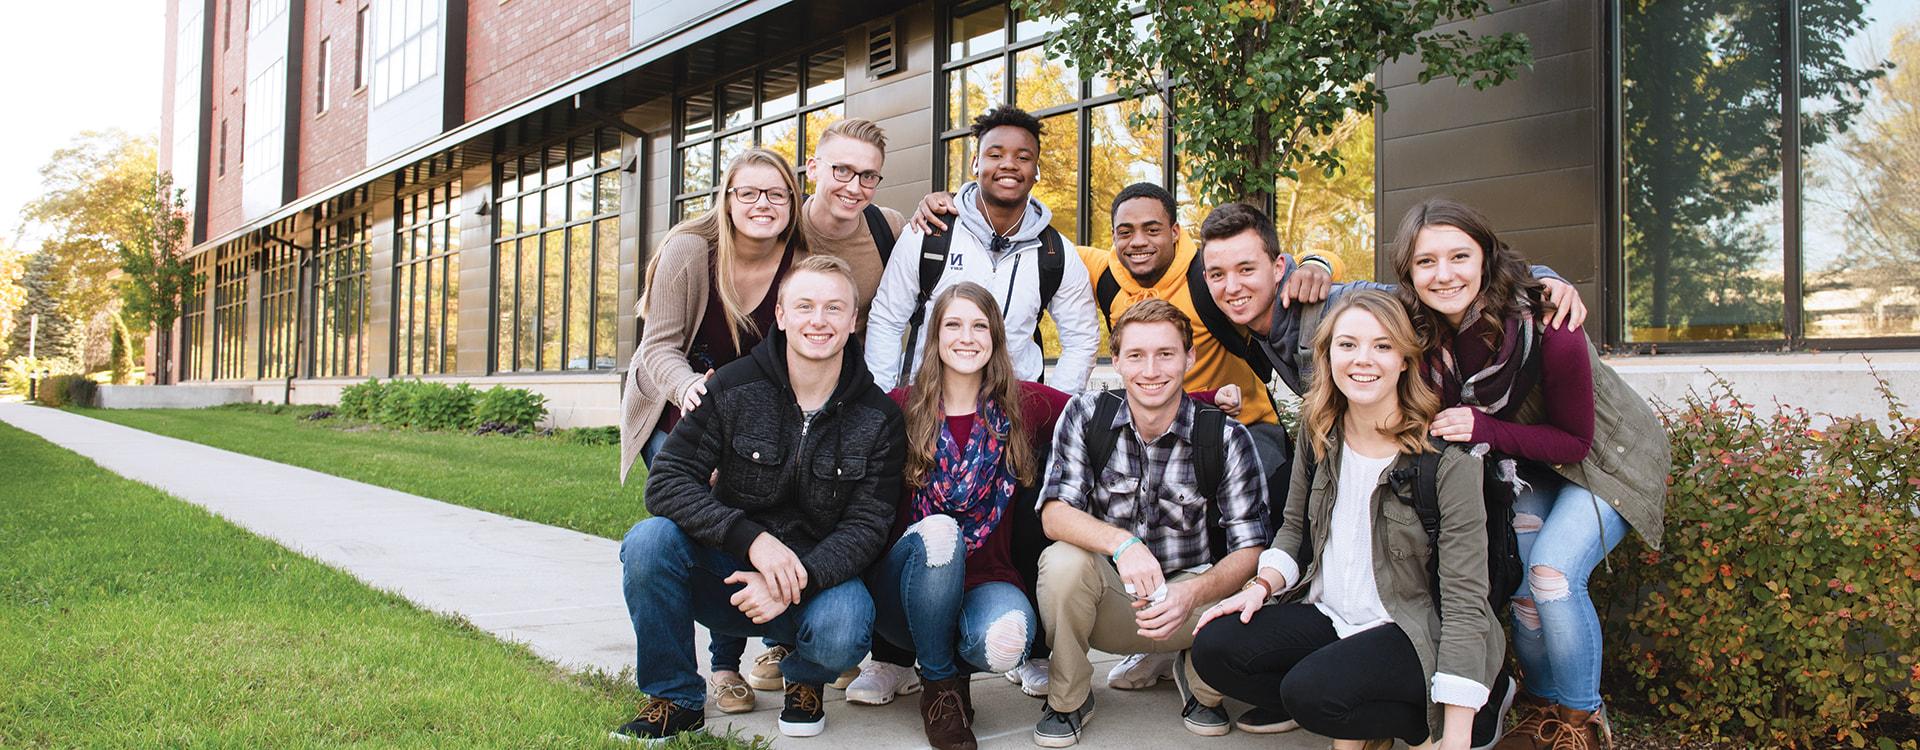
[1005, 114]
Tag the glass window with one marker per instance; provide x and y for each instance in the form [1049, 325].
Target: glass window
[279, 312]
[790, 117]
[1701, 154]
[975, 89]
[1122, 155]
[405, 48]
[1333, 214]
[426, 280]
[230, 310]
[1860, 237]
[977, 33]
[193, 319]
[1059, 184]
[555, 282]
[1041, 83]
[340, 288]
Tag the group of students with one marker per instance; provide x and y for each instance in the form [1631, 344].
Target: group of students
[850, 452]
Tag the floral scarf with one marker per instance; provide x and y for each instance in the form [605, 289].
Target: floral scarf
[975, 485]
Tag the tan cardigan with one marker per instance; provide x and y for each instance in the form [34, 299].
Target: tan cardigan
[673, 305]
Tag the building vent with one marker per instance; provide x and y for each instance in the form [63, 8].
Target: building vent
[883, 48]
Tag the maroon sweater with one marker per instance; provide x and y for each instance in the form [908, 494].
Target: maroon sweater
[1566, 382]
[993, 561]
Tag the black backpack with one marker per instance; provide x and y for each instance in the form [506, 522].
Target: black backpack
[933, 263]
[1209, 453]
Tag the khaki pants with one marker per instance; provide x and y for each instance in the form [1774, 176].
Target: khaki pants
[1083, 603]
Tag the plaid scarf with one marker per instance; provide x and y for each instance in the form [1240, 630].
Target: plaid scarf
[1496, 388]
[973, 486]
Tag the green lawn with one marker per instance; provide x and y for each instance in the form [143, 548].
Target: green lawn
[542, 480]
[131, 619]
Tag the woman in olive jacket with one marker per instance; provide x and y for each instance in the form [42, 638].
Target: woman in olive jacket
[1361, 652]
[1586, 456]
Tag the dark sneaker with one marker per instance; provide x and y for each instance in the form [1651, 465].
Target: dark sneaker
[1489, 723]
[1062, 728]
[944, 711]
[659, 721]
[1204, 720]
[1258, 720]
[1201, 719]
[805, 715]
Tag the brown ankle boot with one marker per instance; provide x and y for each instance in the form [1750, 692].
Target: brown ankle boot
[944, 711]
[1567, 729]
[1529, 712]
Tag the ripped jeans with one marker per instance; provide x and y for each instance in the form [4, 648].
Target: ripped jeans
[1564, 531]
[921, 604]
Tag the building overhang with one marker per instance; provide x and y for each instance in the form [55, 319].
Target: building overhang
[734, 35]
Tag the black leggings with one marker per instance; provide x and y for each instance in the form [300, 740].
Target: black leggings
[1368, 685]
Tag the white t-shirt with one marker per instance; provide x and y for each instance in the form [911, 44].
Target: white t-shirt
[1345, 590]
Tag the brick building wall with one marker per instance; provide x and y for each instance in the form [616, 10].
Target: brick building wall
[333, 144]
[520, 47]
[229, 42]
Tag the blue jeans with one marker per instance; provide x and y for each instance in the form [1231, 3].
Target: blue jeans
[925, 606]
[671, 582]
[1564, 531]
[726, 649]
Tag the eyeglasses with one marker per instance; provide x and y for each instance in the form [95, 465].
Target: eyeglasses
[844, 173]
[751, 195]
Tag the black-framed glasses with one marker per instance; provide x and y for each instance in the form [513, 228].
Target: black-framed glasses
[751, 195]
[844, 173]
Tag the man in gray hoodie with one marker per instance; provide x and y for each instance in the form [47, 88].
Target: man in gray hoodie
[1000, 243]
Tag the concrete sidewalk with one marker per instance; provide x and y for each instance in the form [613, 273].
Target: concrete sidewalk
[555, 590]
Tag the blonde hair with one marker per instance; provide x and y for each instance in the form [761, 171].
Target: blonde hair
[1154, 311]
[858, 128]
[716, 227]
[1325, 407]
[831, 265]
[926, 412]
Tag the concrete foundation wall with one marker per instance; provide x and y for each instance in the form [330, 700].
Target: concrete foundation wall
[172, 396]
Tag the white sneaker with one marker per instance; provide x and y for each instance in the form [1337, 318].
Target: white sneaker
[1031, 676]
[879, 682]
[1140, 671]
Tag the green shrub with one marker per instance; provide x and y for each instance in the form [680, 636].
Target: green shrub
[503, 409]
[426, 406]
[1785, 607]
[588, 435]
[16, 374]
[360, 400]
[68, 390]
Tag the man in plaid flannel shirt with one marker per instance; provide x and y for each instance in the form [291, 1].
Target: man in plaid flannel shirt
[1131, 569]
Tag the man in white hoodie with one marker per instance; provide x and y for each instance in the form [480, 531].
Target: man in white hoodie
[998, 244]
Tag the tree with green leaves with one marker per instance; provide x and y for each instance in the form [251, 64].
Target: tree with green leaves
[155, 274]
[13, 266]
[1258, 88]
[52, 337]
[88, 203]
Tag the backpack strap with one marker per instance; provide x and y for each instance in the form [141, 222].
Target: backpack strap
[1104, 292]
[1053, 266]
[1209, 469]
[1426, 505]
[1100, 437]
[933, 262]
[883, 238]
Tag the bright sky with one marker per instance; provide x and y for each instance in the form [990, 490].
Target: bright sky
[72, 65]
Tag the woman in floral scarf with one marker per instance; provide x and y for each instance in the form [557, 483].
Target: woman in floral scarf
[948, 589]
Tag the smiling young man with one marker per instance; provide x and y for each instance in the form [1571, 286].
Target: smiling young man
[1134, 562]
[840, 218]
[1002, 241]
[768, 500]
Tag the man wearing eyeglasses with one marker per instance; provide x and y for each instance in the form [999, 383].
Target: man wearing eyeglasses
[1001, 240]
[840, 219]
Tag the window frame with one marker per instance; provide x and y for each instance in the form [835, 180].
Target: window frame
[511, 198]
[437, 191]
